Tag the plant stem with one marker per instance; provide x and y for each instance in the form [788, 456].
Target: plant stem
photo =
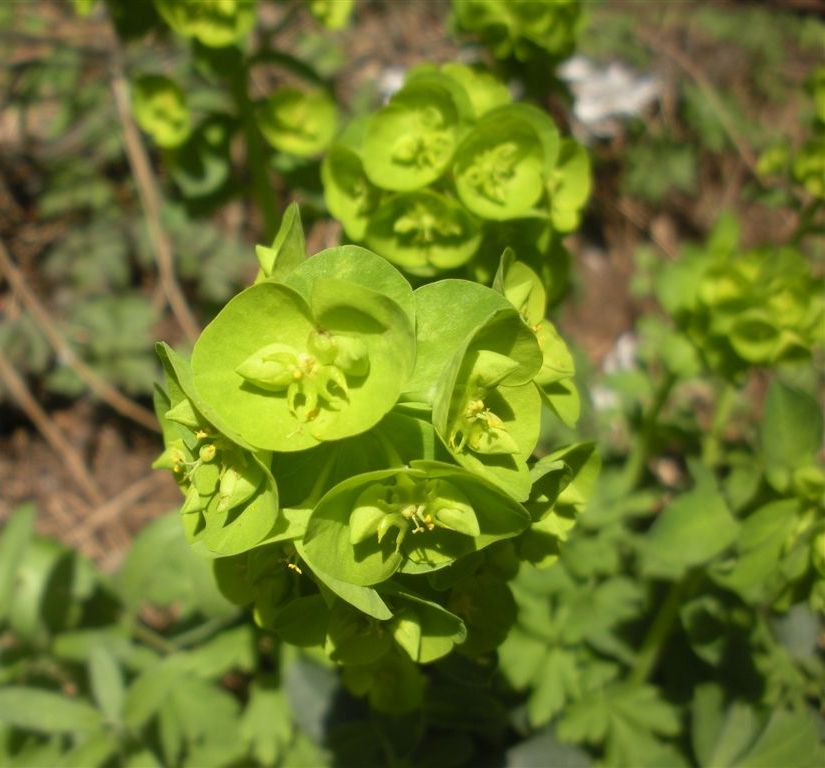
[657, 635]
[152, 638]
[204, 631]
[637, 460]
[256, 156]
[712, 443]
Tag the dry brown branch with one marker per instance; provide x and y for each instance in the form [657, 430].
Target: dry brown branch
[150, 198]
[51, 432]
[112, 509]
[101, 388]
[706, 86]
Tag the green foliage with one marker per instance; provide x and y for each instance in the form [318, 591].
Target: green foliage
[523, 29]
[430, 180]
[757, 307]
[400, 451]
[87, 682]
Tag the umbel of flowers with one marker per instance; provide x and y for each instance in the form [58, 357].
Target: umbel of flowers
[357, 457]
[451, 171]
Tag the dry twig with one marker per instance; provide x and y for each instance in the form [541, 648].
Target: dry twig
[112, 509]
[50, 431]
[105, 391]
[150, 198]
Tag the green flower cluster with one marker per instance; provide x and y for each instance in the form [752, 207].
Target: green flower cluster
[522, 29]
[806, 164]
[745, 308]
[444, 174]
[357, 456]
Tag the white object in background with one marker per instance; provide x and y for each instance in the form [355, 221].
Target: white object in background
[604, 95]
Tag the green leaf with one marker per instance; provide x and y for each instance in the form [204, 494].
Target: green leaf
[160, 568]
[97, 750]
[303, 621]
[33, 709]
[17, 533]
[792, 427]
[759, 547]
[423, 628]
[266, 724]
[690, 531]
[483, 89]
[288, 250]
[447, 313]
[557, 681]
[150, 689]
[353, 638]
[106, 682]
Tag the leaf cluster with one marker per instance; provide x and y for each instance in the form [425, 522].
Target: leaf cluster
[451, 171]
[361, 472]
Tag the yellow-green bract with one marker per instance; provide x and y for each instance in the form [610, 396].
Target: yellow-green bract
[430, 180]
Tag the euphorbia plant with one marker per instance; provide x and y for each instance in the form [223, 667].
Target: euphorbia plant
[450, 172]
[358, 456]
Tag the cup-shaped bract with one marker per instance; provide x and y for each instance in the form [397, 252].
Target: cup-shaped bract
[410, 142]
[809, 166]
[159, 106]
[350, 196]
[504, 161]
[201, 166]
[522, 29]
[568, 187]
[487, 408]
[333, 14]
[413, 520]
[215, 23]
[290, 371]
[423, 232]
[298, 121]
[525, 291]
[231, 500]
[484, 91]
[758, 307]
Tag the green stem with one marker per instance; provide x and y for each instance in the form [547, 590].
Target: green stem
[256, 157]
[712, 444]
[654, 642]
[152, 638]
[204, 631]
[634, 469]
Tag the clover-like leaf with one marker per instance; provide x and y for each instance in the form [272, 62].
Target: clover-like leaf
[300, 122]
[423, 232]
[160, 109]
